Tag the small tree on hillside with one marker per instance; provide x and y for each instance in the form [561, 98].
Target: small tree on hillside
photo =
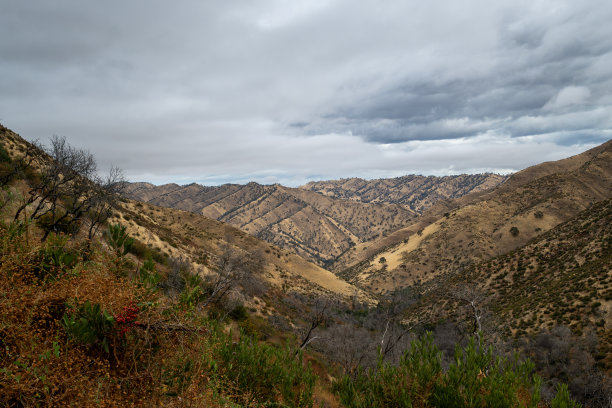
[67, 190]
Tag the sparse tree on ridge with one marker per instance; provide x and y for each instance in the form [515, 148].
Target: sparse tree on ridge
[69, 190]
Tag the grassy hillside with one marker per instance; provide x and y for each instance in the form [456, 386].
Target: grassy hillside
[454, 235]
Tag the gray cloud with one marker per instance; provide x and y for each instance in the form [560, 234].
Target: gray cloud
[286, 91]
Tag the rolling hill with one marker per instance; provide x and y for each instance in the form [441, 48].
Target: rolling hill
[319, 221]
[455, 234]
[317, 227]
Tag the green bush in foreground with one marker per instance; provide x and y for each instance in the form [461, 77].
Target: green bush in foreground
[261, 373]
[89, 324]
[474, 379]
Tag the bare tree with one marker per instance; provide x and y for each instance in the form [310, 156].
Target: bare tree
[104, 199]
[390, 314]
[232, 267]
[470, 296]
[319, 315]
[68, 189]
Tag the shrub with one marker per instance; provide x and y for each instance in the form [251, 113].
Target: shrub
[239, 313]
[119, 240]
[514, 231]
[261, 372]
[474, 379]
[563, 399]
[55, 258]
[89, 324]
[66, 224]
[4, 156]
[147, 275]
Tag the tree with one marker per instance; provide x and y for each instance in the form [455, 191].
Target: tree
[470, 296]
[104, 199]
[319, 316]
[232, 267]
[67, 190]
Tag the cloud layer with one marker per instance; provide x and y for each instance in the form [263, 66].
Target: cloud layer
[278, 91]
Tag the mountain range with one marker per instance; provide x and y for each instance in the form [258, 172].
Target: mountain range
[319, 221]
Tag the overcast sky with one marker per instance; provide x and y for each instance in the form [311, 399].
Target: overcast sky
[290, 91]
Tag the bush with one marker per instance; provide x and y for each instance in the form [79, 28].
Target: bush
[261, 372]
[514, 231]
[239, 313]
[59, 224]
[474, 379]
[89, 324]
[119, 240]
[148, 276]
[55, 258]
[4, 156]
[562, 399]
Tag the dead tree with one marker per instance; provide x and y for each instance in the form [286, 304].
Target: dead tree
[473, 299]
[232, 267]
[104, 198]
[319, 315]
[391, 311]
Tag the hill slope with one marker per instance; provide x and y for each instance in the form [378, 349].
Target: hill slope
[319, 221]
[317, 227]
[415, 192]
[454, 234]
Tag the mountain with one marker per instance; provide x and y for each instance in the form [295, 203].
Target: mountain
[182, 234]
[415, 192]
[315, 226]
[452, 235]
[319, 221]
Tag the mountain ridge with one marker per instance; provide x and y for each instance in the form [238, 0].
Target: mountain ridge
[320, 227]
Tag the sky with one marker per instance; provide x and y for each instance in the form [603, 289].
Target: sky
[288, 91]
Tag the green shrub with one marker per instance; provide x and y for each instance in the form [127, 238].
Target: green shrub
[59, 223]
[476, 378]
[562, 398]
[147, 275]
[397, 386]
[55, 258]
[4, 156]
[261, 372]
[119, 240]
[194, 290]
[239, 313]
[89, 324]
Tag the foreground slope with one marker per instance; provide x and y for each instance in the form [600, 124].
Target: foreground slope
[455, 234]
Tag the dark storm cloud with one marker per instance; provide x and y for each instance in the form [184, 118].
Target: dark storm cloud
[529, 67]
[283, 91]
